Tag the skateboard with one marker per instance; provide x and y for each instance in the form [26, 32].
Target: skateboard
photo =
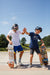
[11, 56]
[44, 55]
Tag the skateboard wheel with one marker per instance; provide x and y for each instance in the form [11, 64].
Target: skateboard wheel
[11, 65]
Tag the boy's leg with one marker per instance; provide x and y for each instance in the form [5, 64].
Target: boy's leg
[15, 55]
[15, 58]
[40, 59]
[31, 58]
[42, 65]
[20, 56]
[31, 55]
[20, 49]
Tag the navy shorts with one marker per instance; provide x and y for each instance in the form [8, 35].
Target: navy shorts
[36, 50]
[18, 48]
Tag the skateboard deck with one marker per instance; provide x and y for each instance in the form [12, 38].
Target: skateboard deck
[44, 55]
[11, 56]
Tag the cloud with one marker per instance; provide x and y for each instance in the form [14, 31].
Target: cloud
[13, 18]
[4, 22]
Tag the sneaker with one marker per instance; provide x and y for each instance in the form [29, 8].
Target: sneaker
[29, 66]
[43, 66]
[20, 64]
[15, 65]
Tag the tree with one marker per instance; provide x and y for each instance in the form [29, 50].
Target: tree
[23, 41]
[3, 41]
[46, 40]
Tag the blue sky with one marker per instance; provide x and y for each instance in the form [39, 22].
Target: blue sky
[26, 13]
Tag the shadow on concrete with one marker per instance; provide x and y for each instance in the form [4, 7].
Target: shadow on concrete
[33, 66]
[48, 67]
[21, 67]
[26, 66]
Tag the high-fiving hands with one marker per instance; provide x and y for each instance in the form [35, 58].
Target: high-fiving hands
[24, 30]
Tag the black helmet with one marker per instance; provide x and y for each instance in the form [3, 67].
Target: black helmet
[15, 27]
[38, 28]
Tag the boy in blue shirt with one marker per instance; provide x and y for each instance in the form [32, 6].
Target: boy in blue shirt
[34, 44]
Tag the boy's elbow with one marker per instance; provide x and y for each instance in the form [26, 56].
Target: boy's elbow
[7, 37]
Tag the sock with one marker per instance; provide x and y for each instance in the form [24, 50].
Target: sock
[15, 61]
[19, 60]
[30, 63]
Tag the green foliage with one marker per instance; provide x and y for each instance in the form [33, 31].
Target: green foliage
[25, 47]
[46, 41]
[23, 41]
[3, 41]
[3, 49]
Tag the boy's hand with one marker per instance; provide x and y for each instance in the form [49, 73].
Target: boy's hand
[43, 44]
[24, 30]
[10, 42]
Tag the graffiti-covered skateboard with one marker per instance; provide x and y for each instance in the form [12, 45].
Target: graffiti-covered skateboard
[11, 56]
[44, 55]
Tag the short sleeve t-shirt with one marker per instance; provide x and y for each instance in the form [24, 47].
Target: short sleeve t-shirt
[15, 37]
[34, 40]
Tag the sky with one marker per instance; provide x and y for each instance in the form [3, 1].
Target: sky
[25, 13]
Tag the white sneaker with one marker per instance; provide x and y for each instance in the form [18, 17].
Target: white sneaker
[20, 64]
[29, 66]
[43, 66]
[15, 65]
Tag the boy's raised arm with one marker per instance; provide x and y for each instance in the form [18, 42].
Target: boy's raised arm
[25, 31]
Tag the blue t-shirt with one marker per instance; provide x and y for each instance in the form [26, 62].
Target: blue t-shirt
[34, 40]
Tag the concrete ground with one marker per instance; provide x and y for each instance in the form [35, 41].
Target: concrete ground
[23, 70]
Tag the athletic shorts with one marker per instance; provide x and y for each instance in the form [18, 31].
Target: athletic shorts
[36, 50]
[18, 48]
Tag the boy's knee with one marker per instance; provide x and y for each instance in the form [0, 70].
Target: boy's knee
[31, 56]
[22, 52]
[39, 55]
